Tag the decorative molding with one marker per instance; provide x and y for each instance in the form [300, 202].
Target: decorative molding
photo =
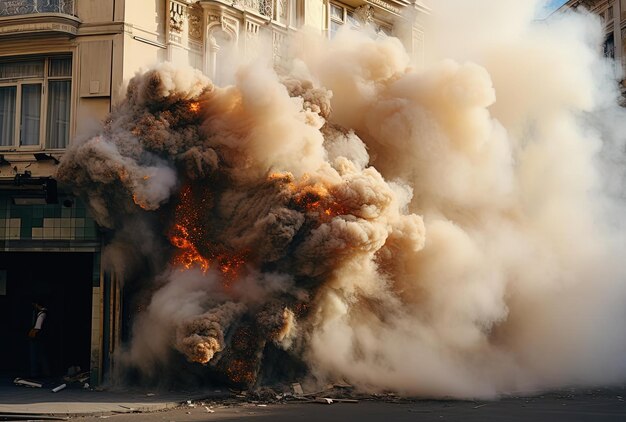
[100, 28]
[176, 39]
[40, 22]
[228, 24]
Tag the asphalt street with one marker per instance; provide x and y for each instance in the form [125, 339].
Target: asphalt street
[592, 405]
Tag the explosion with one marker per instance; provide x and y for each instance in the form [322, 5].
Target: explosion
[357, 218]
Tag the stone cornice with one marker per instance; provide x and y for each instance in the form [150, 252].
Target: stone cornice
[39, 23]
[101, 28]
[397, 7]
[589, 4]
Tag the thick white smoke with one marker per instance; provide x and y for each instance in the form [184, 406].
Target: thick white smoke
[451, 230]
[520, 285]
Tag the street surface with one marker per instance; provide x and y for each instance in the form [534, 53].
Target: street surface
[590, 405]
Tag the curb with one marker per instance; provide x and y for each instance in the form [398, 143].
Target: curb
[119, 409]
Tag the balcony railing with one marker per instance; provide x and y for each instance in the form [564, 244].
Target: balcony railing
[263, 7]
[27, 7]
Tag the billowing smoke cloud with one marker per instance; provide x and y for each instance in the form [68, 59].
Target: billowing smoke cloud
[448, 230]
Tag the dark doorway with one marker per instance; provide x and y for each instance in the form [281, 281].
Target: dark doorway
[63, 281]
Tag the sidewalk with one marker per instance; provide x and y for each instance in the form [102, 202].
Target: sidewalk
[73, 400]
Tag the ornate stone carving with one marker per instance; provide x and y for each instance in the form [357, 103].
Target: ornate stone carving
[177, 16]
[364, 14]
[283, 7]
[194, 16]
[279, 46]
[26, 7]
[264, 7]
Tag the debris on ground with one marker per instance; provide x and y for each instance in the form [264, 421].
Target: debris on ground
[79, 378]
[297, 389]
[27, 383]
[280, 394]
[59, 388]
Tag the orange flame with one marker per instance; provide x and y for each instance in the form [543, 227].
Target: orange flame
[188, 255]
[139, 202]
[239, 371]
[194, 245]
[309, 196]
[194, 106]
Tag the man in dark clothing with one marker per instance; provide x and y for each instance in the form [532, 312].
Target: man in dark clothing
[37, 336]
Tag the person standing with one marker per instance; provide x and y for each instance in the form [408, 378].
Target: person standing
[38, 344]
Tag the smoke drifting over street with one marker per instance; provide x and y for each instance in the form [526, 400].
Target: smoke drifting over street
[449, 230]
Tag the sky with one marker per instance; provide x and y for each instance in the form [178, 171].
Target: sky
[550, 6]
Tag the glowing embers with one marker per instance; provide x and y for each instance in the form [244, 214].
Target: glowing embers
[194, 106]
[229, 265]
[241, 361]
[311, 197]
[190, 235]
[187, 233]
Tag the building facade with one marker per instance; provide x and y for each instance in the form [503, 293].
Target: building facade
[63, 65]
[613, 15]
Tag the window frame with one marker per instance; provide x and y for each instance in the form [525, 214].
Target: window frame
[347, 12]
[18, 83]
[291, 13]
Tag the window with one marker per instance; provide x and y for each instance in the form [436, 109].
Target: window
[340, 15]
[293, 13]
[609, 14]
[609, 47]
[35, 102]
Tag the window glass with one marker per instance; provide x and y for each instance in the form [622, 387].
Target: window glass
[609, 46]
[334, 27]
[353, 21]
[35, 103]
[60, 66]
[21, 69]
[280, 11]
[58, 119]
[30, 114]
[336, 12]
[7, 115]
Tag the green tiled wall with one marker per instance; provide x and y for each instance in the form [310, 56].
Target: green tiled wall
[46, 222]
